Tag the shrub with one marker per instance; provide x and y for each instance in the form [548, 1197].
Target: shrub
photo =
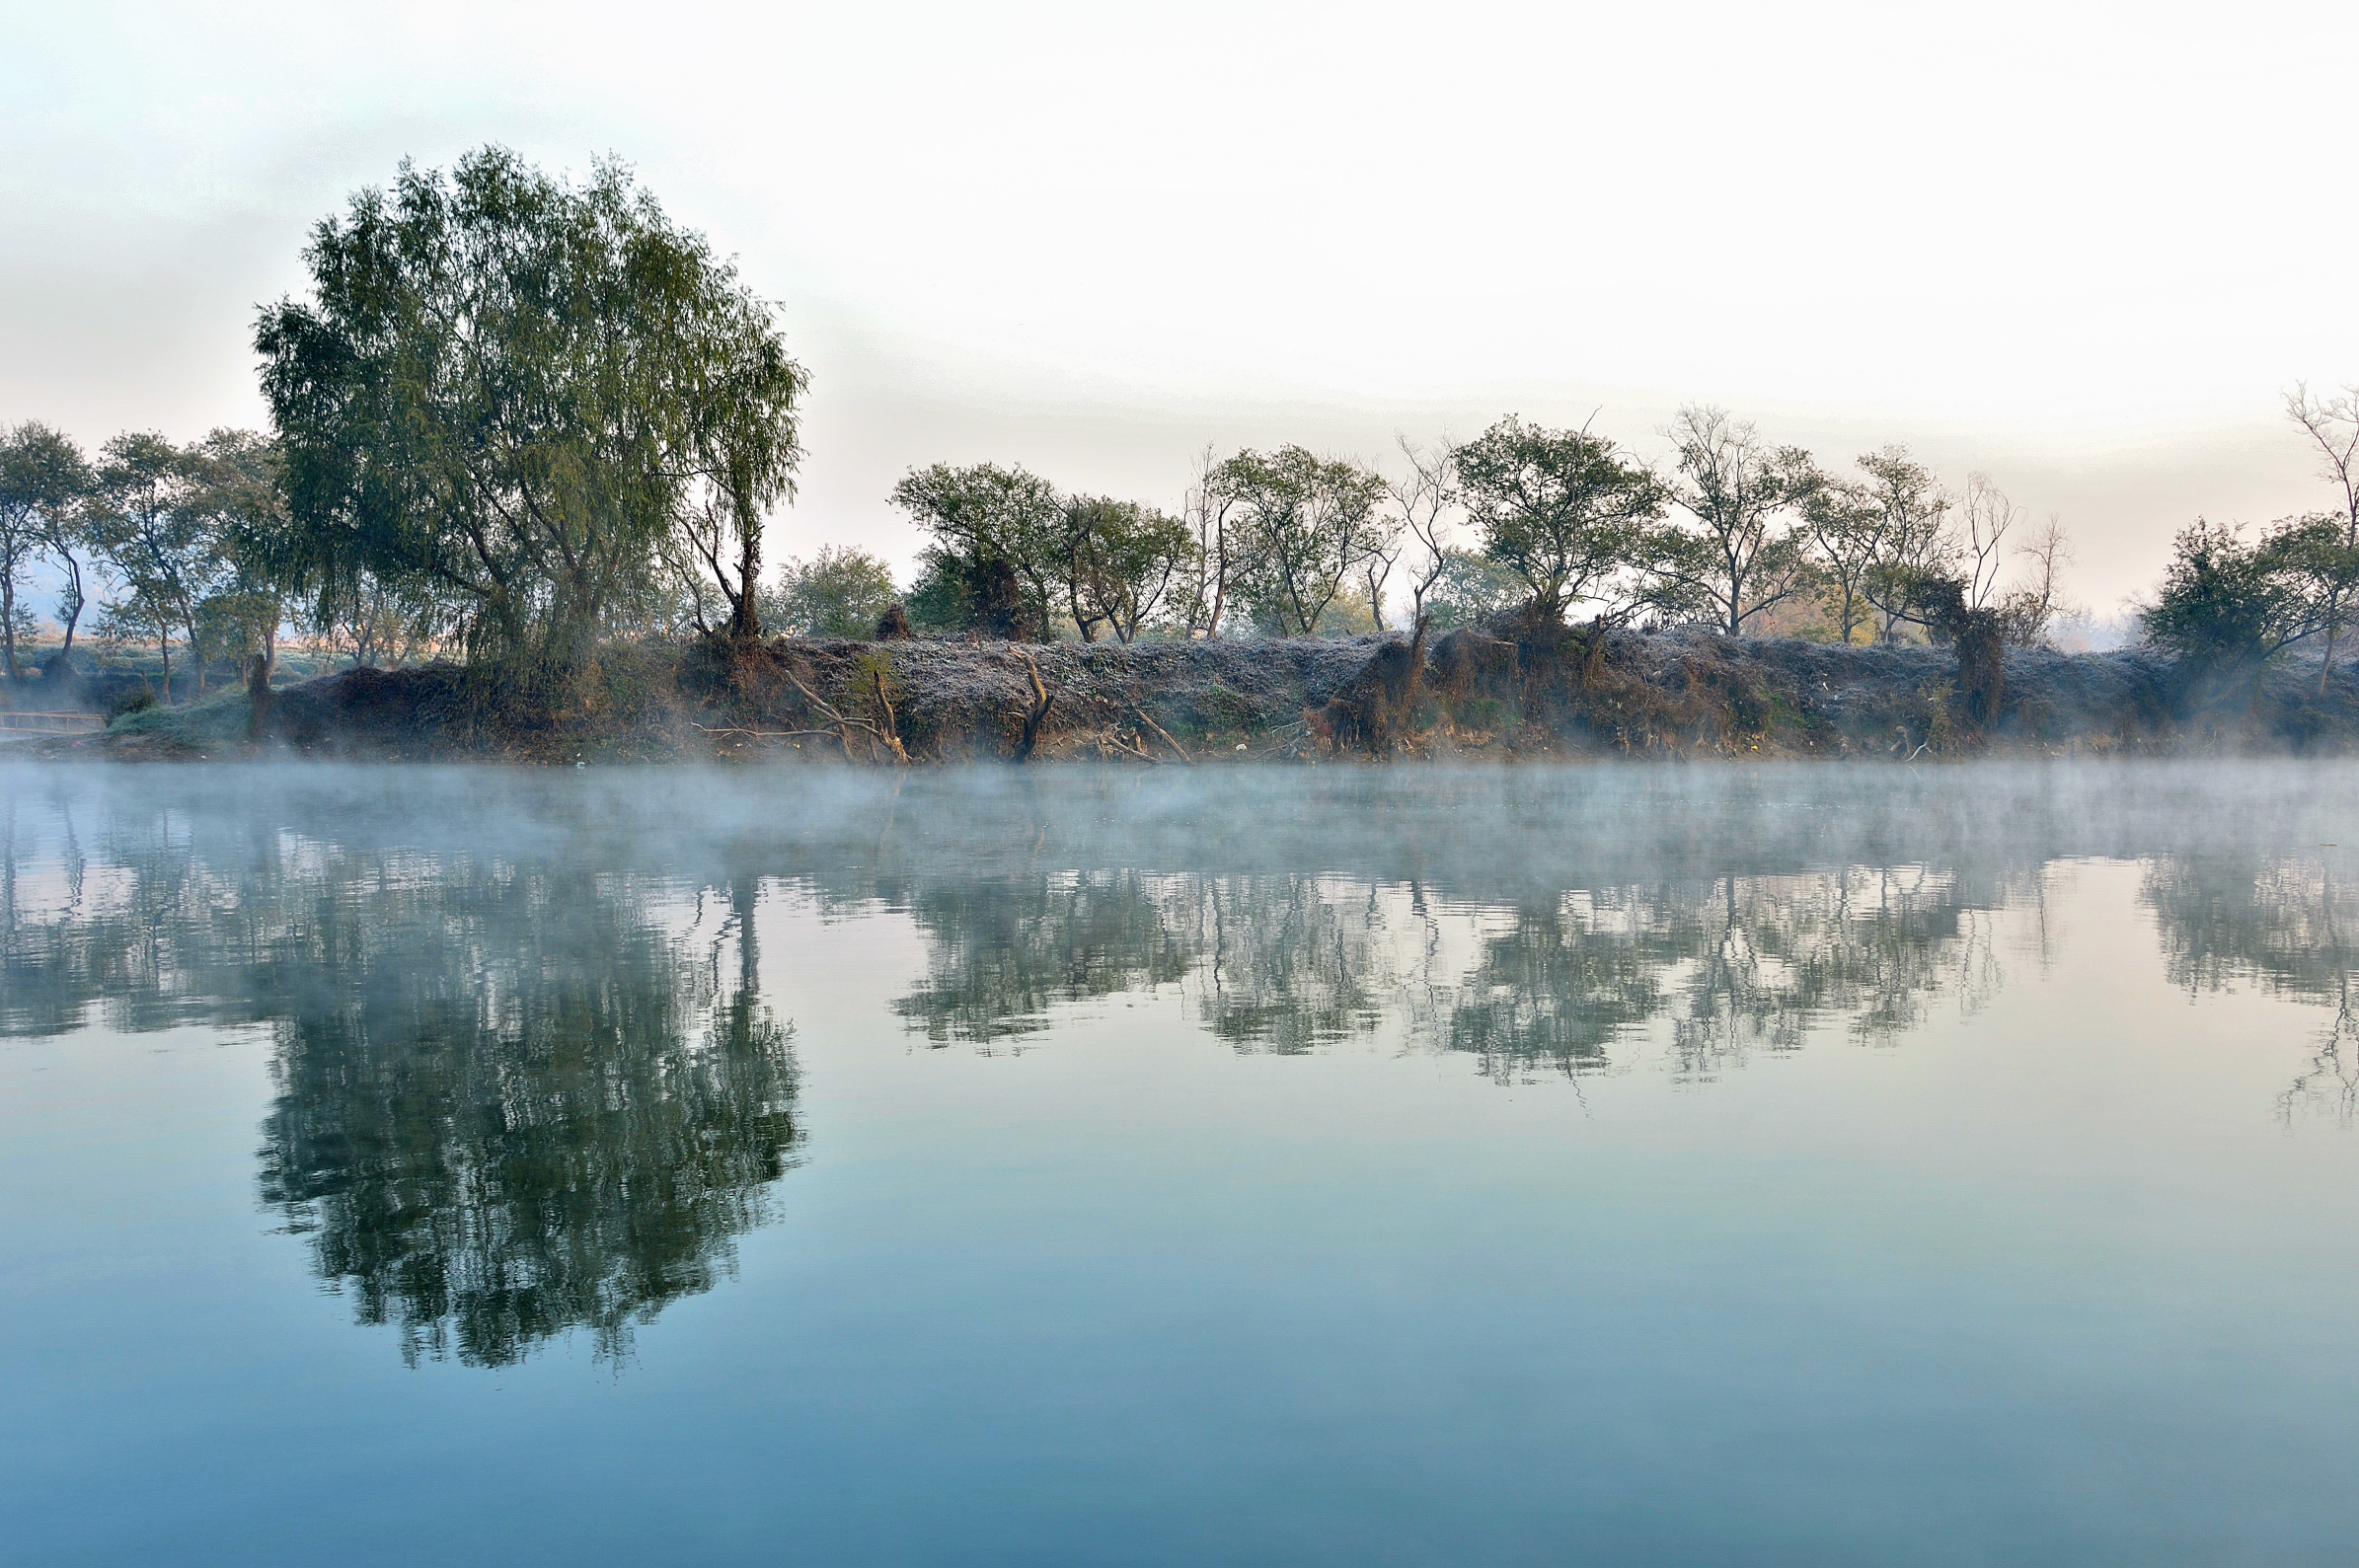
[136, 700]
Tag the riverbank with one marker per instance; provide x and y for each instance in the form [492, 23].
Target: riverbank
[1469, 693]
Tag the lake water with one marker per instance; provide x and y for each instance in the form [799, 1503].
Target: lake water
[1800, 1164]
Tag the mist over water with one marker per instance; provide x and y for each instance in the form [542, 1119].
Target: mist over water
[1352, 1164]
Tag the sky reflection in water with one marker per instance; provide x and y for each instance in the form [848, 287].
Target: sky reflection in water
[1650, 1164]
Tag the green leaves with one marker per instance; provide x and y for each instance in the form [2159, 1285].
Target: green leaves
[1562, 509]
[839, 593]
[1310, 523]
[1121, 561]
[504, 391]
[2229, 606]
[999, 543]
[43, 481]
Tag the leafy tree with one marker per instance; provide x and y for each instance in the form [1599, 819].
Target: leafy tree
[747, 465]
[1121, 561]
[942, 597]
[157, 527]
[839, 593]
[2227, 607]
[1912, 545]
[506, 392]
[1562, 509]
[1470, 589]
[1739, 553]
[2314, 559]
[1222, 561]
[44, 480]
[998, 552]
[1844, 523]
[244, 476]
[1312, 522]
[373, 628]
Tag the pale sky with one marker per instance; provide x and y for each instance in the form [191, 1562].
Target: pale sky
[2082, 248]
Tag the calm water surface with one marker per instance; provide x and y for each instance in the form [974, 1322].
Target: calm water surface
[1792, 1165]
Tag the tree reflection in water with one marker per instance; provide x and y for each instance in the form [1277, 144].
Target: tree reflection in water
[2284, 923]
[527, 1083]
[1288, 963]
[500, 1131]
[509, 1102]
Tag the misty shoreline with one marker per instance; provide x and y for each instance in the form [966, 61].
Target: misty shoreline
[1585, 694]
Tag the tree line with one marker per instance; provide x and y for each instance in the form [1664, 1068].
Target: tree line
[1526, 521]
[513, 416]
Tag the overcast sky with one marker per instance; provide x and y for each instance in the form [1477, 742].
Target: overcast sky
[2082, 248]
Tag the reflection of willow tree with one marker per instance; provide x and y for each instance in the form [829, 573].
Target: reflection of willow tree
[1291, 963]
[496, 1132]
[2285, 924]
[509, 1103]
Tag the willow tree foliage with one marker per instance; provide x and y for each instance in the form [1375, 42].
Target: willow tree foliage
[507, 395]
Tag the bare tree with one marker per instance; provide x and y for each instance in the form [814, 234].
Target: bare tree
[1385, 545]
[2030, 608]
[1423, 500]
[1741, 556]
[1984, 517]
[2332, 426]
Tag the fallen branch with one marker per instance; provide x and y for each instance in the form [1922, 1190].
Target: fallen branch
[844, 726]
[1166, 734]
[1040, 711]
[1135, 747]
[891, 731]
[758, 735]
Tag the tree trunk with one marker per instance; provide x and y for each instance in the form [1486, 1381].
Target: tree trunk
[74, 588]
[8, 622]
[257, 698]
[745, 617]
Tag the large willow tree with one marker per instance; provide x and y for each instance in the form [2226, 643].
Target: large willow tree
[506, 396]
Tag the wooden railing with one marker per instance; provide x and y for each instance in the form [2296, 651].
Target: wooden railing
[23, 723]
